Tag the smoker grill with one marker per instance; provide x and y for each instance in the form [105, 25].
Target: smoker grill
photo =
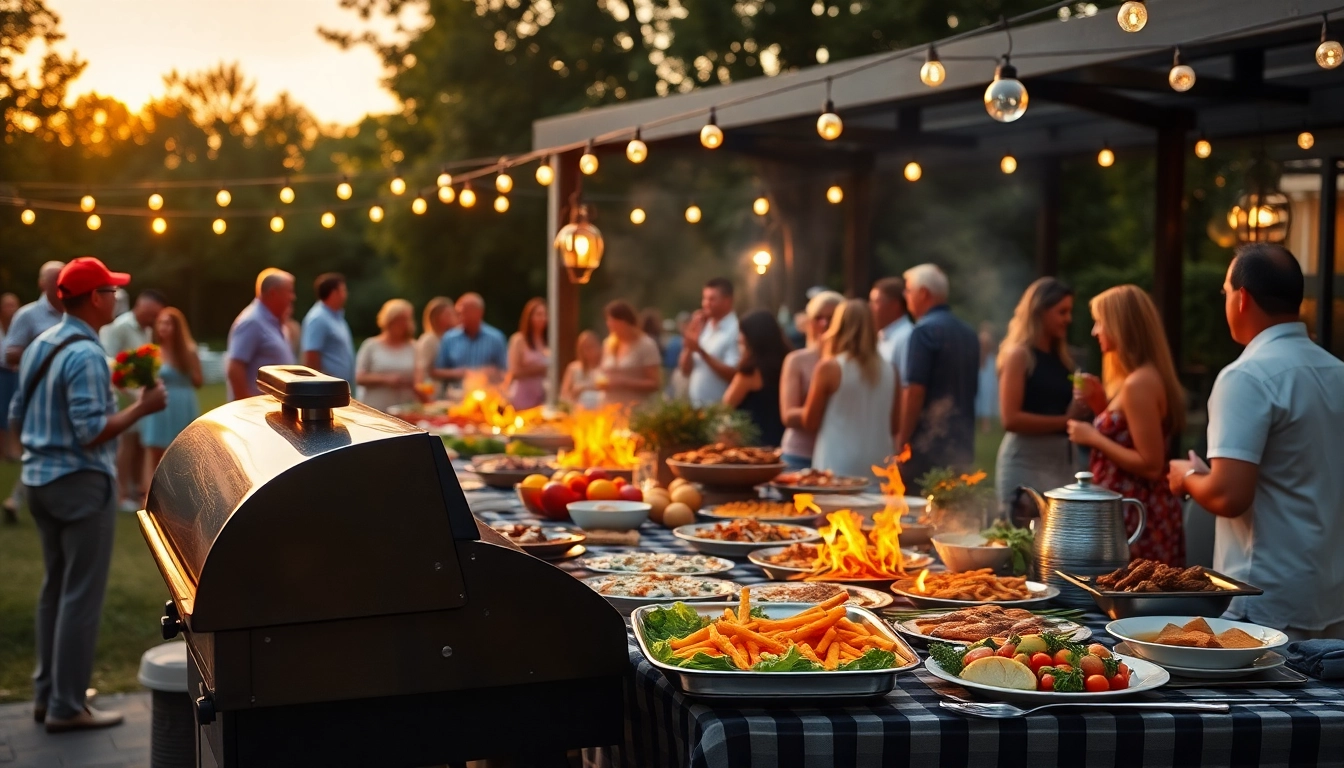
[342, 606]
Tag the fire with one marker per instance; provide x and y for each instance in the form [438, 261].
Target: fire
[893, 487]
[602, 438]
[845, 553]
[491, 411]
[919, 582]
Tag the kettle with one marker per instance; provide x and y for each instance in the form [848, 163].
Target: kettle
[1081, 531]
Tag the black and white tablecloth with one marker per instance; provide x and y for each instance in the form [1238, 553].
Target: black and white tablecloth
[906, 727]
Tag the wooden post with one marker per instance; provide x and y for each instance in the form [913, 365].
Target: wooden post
[1325, 254]
[562, 295]
[1168, 224]
[1047, 218]
[859, 228]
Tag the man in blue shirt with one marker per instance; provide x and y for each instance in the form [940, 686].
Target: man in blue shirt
[327, 345]
[475, 345]
[27, 324]
[68, 422]
[894, 326]
[257, 337]
[942, 359]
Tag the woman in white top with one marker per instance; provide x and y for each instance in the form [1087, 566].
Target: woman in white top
[630, 360]
[440, 317]
[853, 403]
[579, 387]
[385, 365]
[796, 380]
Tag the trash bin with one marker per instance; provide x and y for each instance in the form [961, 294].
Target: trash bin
[163, 670]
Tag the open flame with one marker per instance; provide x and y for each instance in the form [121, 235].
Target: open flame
[491, 411]
[602, 438]
[893, 487]
[919, 582]
[845, 553]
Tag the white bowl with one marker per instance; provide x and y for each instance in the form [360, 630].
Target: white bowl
[969, 552]
[1147, 627]
[608, 515]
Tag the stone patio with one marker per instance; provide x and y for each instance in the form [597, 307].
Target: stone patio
[26, 744]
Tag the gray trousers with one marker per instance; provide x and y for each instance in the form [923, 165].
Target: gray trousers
[76, 517]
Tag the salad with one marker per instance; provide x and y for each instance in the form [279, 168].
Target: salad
[658, 585]
[657, 562]
[1046, 662]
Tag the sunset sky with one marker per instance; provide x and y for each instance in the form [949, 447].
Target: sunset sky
[130, 44]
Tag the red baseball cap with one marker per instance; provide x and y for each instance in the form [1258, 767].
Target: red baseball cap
[86, 274]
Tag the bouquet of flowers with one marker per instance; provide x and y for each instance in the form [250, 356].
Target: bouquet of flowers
[136, 368]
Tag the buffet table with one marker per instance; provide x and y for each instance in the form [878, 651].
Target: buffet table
[907, 727]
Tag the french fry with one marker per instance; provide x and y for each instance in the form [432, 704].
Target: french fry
[700, 635]
[728, 616]
[807, 652]
[820, 625]
[728, 648]
[764, 641]
[854, 627]
[744, 604]
[826, 641]
[753, 652]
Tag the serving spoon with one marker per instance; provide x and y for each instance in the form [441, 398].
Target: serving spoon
[999, 710]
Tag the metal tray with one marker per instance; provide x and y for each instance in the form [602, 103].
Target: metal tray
[1124, 605]
[795, 686]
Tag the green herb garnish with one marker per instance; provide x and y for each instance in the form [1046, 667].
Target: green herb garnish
[1019, 540]
[951, 658]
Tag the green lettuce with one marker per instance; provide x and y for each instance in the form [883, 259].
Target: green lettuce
[790, 661]
[662, 651]
[873, 658]
[677, 620]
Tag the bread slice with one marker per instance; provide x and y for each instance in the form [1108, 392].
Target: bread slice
[1198, 624]
[1235, 638]
[1170, 630]
[1191, 640]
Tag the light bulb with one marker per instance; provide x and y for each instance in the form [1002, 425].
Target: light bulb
[155, 201]
[829, 124]
[1182, 76]
[711, 136]
[375, 213]
[912, 171]
[1305, 140]
[545, 174]
[328, 219]
[467, 198]
[761, 258]
[637, 216]
[501, 204]
[398, 186]
[445, 179]
[219, 226]
[419, 206]
[933, 73]
[1006, 97]
[277, 223]
[588, 162]
[1203, 148]
[693, 214]
[760, 206]
[1008, 164]
[1105, 158]
[1132, 16]
[286, 194]
[94, 221]
[223, 198]
[834, 194]
[159, 225]
[1329, 54]
[761, 268]
[27, 217]
[637, 151]
[86, 204]
[344, 190]
[446, 194]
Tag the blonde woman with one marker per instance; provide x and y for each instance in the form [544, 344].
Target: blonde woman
[385, 366]
[579, 387]
[439, 317]
[1139, 405]
[1035, 393]
[853, 404]
[796, 380]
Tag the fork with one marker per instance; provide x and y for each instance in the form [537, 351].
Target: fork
[1000, 710]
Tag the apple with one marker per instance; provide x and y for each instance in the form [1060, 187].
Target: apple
[631, 493]
[579, 485]
[555, 500]
[619, 482]
[596, 473]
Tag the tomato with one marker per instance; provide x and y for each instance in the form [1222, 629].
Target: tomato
[976, 654]
[1091, 666]
[1119, 682]
[1008, 650]
[1039, 660]
[1065, 656]
[1099, 650]
[1096, 684]
[578, 485]
[1064, 667]
[1046, 683]
[1023, 659]
[1122, 669]
[619, 482]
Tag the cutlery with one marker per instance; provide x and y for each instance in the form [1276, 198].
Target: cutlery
[1000, 710]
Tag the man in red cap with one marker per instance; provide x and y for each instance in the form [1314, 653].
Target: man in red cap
[67, 420]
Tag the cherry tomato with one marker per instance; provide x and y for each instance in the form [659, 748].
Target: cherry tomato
[1046, 683]
[1122, 669]
[1096, 684]
[1064, 667]
[1024, 659]
[1099, 650]
[1039, 660]
[977, 653]
[1118, 682]
[1091, 665]
[1064, 656]
[1008, 650]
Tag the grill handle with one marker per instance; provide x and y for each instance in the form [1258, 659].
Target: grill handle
[304, 393]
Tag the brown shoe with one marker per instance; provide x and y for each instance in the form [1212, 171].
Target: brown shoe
[39, 713]
[89, 718]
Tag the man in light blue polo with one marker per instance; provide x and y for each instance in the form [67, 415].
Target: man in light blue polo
[327, 345]
[257, 337]
[475, 345]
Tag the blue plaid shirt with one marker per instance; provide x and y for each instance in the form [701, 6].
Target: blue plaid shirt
[487, 348]
[70, 406]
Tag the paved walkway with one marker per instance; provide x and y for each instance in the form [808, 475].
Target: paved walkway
[26, 744]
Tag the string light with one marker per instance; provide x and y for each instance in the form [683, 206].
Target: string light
[159, 225]
[834, 194]
[829, 124]
[637, 216]
[545, 173]
[501, 204]
[468, 197]
[28, 216]
[762, 261]
[286, 193]
[693, 214]
[219, 226]
[344, 190]
[637, 151]
[94, 221]
[913, 171]
[503, 183]
[711, 136]
[1105, 158]
[375, 213]
[588, 161]
[155, 201]
[328, 219]
[1306, 140]
[1182, 76]
[86, 204]
[1008, 164]
[397, 185]
[1329, 54]
[446, 194]
[933, 73]
[277, 223]
[223, 198]
[760, 206]
[1006, 96]
[1203, 148]
[1132, 16]
[419, 206]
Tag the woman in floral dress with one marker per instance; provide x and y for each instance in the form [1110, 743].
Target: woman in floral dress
[1139, 405]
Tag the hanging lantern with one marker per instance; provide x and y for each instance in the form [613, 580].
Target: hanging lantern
[711, 136]
[580, 246]
[1006, 97]
[829, 124]
[1261, 217]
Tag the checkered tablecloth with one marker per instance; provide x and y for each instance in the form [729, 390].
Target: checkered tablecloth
[906, 727]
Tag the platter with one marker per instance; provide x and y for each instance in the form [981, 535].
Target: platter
[778, 572]
[1040, 593]
[1270, 660]
[558, 540]
[911, 629]
[689, 534]
[506, 477]
[863, 597]
[716, 513]
[717, 589]
[725, 475]
[1144, 676]
[1123, 605]
[658, 562]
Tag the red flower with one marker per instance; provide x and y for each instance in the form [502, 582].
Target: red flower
[145, 350]
[117, 378]
[123, 357]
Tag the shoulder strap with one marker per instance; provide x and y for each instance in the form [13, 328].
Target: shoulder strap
[41, 372]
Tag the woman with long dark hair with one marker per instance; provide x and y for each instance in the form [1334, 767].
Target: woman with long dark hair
[754, 388]
[529, 357]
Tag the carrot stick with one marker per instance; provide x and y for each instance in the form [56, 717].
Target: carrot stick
[753, 652]
[744, 604]
[764, 641]
[819, 625]
[728, 616]
[700, 635]
[826, 640]
[854, 627]
[832, 657]
[728, 649]
[806, 651]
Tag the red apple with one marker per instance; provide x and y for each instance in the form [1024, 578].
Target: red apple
[631, 493]
[619, 482]
[555, 500]
[579, 485]
[596, 473]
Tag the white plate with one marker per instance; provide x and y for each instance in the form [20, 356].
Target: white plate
[712, 513]
[715, 564]
[776, 572]
[1194, 658]
[1270, 660]
[1143, 676]
[871, 598]
[1040, 593]
[1077, 632]
[735, 548]
[625, 604]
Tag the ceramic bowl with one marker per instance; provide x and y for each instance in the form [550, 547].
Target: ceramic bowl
[613, 515]
[969, 552]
